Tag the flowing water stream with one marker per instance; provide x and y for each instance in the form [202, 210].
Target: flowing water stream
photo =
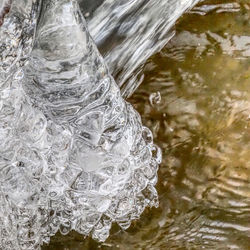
[195, 97]
[127, 32]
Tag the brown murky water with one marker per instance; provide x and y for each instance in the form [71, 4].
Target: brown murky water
[196, 99]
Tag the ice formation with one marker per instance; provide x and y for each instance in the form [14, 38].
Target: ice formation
[73, 154]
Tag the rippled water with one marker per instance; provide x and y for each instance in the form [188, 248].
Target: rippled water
[196, 99]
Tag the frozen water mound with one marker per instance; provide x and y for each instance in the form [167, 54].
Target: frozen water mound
[73, 154]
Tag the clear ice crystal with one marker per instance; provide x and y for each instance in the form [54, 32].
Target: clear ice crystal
[73, 154]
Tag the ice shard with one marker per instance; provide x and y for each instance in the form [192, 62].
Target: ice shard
[17, 27]
[19, 164]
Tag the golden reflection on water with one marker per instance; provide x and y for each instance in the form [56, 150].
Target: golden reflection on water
[196, 100]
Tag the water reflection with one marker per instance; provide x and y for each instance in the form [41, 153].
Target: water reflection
[196, 99]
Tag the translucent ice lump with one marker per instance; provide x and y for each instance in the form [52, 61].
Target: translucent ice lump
[73, 154]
